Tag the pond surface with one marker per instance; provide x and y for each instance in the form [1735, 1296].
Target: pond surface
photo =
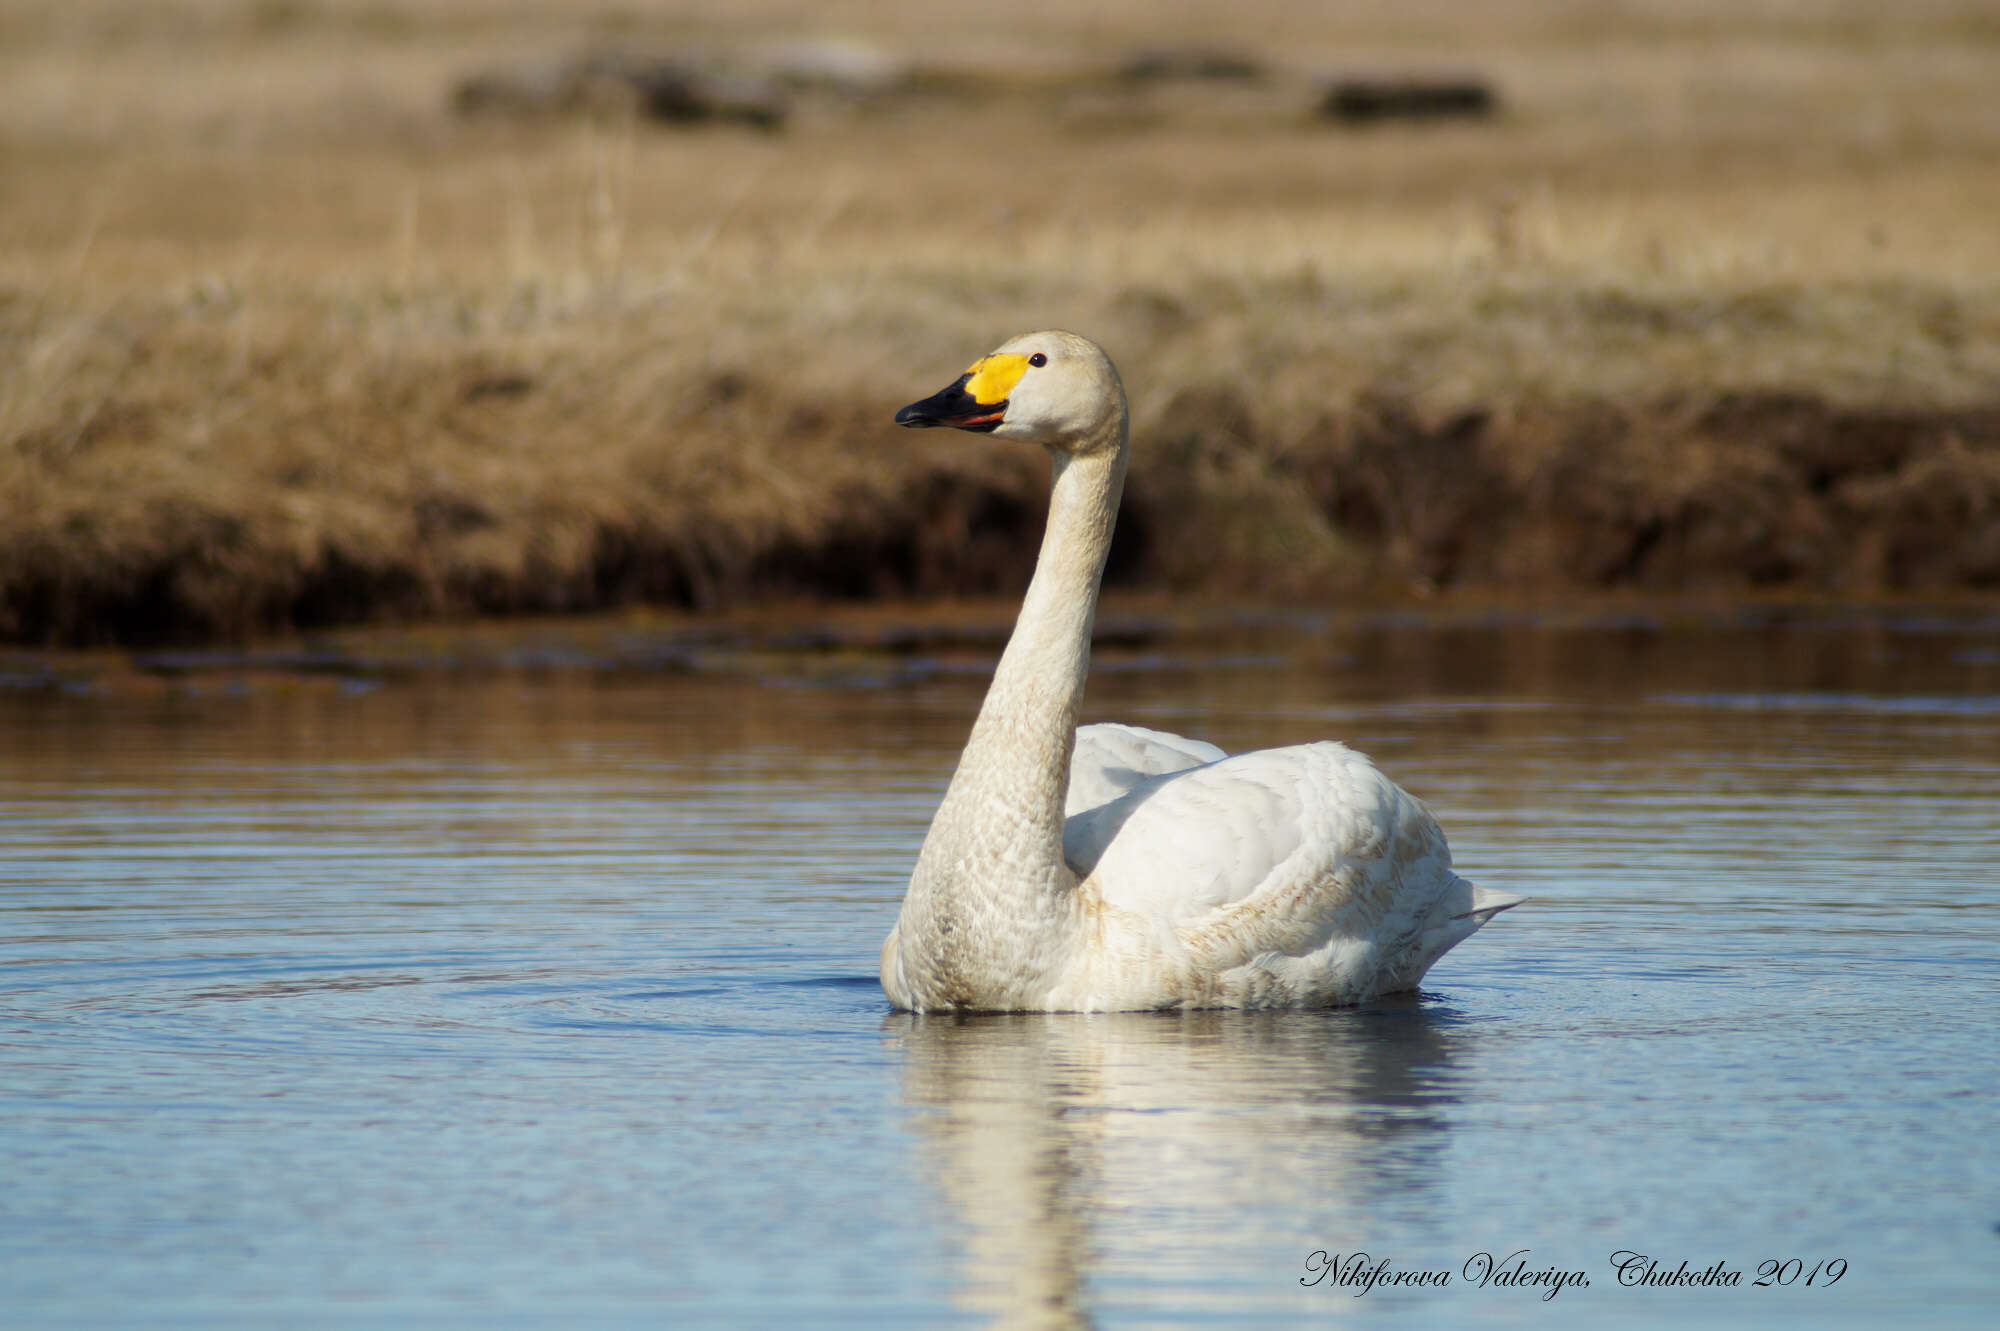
[503, 986]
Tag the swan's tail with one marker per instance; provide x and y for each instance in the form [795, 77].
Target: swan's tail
[1449, 931]
[1487, 903]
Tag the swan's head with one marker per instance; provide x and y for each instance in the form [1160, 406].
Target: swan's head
[1051, 388]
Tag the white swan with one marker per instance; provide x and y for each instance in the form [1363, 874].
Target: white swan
[1117, 868]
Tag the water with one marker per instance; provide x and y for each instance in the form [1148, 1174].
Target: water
[534, 987]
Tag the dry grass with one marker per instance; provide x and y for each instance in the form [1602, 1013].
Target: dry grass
[282, 342]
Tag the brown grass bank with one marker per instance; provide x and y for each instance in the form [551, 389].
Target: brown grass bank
[283, 342]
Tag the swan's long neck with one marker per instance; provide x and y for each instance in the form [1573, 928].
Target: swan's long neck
[1019, 753]
[989, 900]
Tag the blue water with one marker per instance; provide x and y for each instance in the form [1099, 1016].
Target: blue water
[496, 997]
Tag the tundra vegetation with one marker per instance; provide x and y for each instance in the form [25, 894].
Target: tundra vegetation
[318, 311]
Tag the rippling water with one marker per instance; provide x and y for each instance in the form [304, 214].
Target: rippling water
[540, 992]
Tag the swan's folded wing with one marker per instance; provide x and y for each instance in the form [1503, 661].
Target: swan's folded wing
[1272, 852]
[1111, 759]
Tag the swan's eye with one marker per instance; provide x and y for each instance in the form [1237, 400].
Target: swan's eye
[1038, 360]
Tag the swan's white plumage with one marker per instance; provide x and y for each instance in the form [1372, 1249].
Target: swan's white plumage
[1111, 758]
[1115, 867]
[1299, 875]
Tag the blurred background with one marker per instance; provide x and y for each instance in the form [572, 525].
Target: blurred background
[316, 312]
[1588, 408]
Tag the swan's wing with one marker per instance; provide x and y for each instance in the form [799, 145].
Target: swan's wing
[1284, 858]
[1111, 759]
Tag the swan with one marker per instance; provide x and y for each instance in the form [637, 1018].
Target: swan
[1117, 868]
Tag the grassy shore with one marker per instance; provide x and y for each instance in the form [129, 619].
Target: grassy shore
[1713, 303]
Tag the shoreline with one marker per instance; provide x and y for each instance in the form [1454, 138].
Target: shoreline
[905, 643]
[1740, 493]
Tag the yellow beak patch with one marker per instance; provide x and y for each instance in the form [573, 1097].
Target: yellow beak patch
[991, 378]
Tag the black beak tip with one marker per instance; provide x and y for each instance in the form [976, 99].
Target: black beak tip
[915, 417]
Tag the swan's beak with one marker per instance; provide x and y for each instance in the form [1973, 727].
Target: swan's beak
[954, 407]
[976, 401]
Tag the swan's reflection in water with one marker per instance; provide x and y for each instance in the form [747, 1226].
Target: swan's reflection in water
[1176, 1161]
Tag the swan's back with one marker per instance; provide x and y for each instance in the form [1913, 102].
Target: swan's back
[1293, 875]
[1111, 759]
